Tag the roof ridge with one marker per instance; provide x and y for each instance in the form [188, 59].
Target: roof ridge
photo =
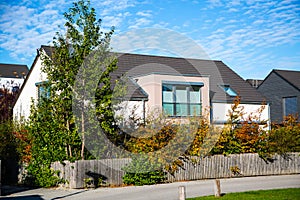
[152, 55]
[163, 56]
[284, 78]
[13, 64]
[286, 70]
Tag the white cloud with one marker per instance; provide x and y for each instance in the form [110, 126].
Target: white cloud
[164, 25]
[139, 23]
[254, 39]
[26, 27]
[113, 20]
[235, 31]
[231, 21]
[108, 7]
[233, 10]
[146, 13]
[234, 2]
[157, 40]
[259, 21]
[143, 19]
[186, 23]
[215, 3]
[248, 12]
[291, 62]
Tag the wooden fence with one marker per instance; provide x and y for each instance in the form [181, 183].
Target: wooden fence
[83, 172]
[79, 173]
[220, 166]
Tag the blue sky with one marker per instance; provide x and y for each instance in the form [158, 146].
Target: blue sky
[251, 36]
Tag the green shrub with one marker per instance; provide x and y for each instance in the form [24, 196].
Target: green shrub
[9, 154]
[142, 172]
[285, 137]
[148, 178]
[42, 176]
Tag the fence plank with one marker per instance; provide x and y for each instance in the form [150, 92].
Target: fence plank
[209, 167]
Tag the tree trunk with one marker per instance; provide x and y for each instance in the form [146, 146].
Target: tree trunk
[82, 135]
[70, 148]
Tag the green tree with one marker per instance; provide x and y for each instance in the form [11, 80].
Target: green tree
[285, 137]
[52, 127]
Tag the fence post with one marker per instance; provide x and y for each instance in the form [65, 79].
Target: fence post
[217, 188]
[181, 192]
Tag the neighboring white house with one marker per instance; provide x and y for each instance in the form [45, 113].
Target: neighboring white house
[181, 87]
[12, 76]
[30, 90]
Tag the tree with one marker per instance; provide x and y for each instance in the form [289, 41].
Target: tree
[242, 133]
[52, 127]
[7, 100]
[8, 145]
[285, 137]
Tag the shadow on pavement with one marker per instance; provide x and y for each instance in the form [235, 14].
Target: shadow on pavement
[8, 190]
[68, 195]
[11, 193]
[29, 197]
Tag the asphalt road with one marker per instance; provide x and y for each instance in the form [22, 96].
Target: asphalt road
[163, 191]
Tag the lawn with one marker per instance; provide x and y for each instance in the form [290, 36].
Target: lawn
[286, 194]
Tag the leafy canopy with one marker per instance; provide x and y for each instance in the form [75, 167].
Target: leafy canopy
[52, 125]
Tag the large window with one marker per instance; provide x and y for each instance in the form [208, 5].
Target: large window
[289, 106]
[181, 99]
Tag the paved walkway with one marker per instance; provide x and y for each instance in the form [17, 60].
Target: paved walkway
[162, 191]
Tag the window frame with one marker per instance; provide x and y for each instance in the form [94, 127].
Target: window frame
[175, 103]
[46, 91]
[228, 90]
[284, 109]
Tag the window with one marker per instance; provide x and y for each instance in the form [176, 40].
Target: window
[15, 89]
[289, 106]
[181, 99]
[228, 90]
[42, 90]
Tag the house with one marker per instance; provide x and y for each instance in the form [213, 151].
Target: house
[12, 76]
[180, 87]
[282, 89]
[254, 82]
[30, 89]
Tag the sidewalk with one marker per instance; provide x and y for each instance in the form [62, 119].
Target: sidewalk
[162, 191]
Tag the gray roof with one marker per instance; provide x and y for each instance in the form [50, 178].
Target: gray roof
[292, 77]
[48, 49]
[13, 70]
[134, 92]
[134, 65]
[218, 72]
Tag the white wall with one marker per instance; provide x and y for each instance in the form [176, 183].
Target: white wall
[11, 82]
[220, 111]
[126, 110]
[29, 92]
